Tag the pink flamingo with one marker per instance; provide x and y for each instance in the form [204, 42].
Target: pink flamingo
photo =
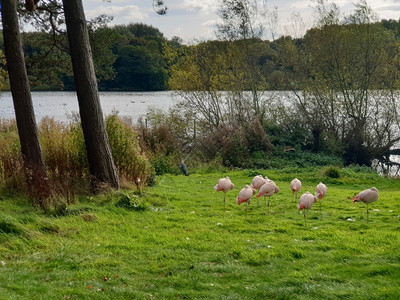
[225, 185]
[245, 195]
[267, 190]
[320, 192]
[257, 182]
[306, 201]
[295, 186]
[367, 196]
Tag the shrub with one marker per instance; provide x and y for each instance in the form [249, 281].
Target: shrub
[131, 163]
[161, 164]
[132, 202]
[166, 133]
[331, 172]
[228, 142]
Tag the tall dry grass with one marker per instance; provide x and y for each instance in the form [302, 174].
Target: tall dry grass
[65, 157]
[11, 164]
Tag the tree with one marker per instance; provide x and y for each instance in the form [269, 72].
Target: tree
[140, 69]
[101, 163]
[33, 162]
[242, 22]
[45, 63]
[139, 64]
[239, 19]
[345, 80]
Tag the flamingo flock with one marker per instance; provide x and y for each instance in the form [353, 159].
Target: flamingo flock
[263, 186]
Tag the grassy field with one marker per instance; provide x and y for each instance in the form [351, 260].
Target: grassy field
[177, 241]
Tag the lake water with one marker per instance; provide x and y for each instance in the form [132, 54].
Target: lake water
[60, 105]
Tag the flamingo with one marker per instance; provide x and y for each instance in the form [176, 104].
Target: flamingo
[306, 201]
[320, 192]
[295, 186]
[268, 189]
[225, 185]
[245, 195]
[257, 182]
[367, 196]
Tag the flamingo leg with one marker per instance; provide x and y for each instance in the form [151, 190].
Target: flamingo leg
[224, 199]
[265, 199]
[268, 205]
[367, 213]
[320, 205]
[305, 217]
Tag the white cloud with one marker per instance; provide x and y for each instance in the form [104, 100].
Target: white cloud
[206, 6]
[121, 14]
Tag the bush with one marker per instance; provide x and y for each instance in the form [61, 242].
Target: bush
[229, 142]
[131, 162]
[166, 133]
[132, 202]
[281, 158]
[161, 164]
[331, 172]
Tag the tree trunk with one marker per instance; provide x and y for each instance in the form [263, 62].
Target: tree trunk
[101, 164]
[28, 134]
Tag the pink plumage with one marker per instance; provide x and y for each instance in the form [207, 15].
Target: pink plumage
[306, 201]
[245, 194]
[367, 196]
[268, 189]
[295, 185]
[224, 184]
[258, 181]
[320, 190]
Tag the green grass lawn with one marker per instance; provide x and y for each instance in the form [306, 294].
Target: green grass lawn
[185, 245]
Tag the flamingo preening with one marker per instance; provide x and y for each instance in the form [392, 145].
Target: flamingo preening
[367, 196]
[225, 185]
[257, 182]
[295, 186]
[268, 189]
[245, 195]
[320, 191]
[306, 201]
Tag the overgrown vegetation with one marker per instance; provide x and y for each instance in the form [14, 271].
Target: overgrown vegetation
[64, 153]
[176, 240]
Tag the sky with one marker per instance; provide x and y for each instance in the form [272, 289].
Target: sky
[195, 20]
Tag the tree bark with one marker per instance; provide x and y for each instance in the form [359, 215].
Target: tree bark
[28, 134]
[101, 164]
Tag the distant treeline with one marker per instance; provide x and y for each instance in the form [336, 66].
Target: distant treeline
[137, 57]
